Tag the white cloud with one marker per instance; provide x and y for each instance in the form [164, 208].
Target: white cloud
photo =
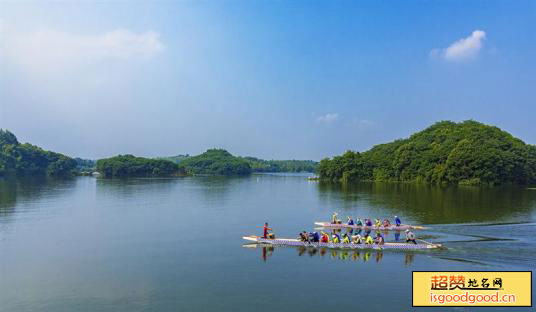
[327, 118]
[363, 124]
[46, 49]
[463, 49]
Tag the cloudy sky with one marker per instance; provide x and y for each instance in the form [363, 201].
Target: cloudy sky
[273, 79]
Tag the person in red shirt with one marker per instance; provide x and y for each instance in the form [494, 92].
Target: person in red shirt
[325, 238]
[266, 229]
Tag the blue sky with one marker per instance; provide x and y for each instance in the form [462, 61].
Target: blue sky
[273, 79]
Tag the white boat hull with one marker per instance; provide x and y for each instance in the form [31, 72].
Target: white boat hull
[295, 242]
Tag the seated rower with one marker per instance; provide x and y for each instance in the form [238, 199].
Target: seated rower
[336, 238]
[325, 238]
[350, 221]
[410, 237]
[386, 223]
[379, 239]
[356, 239]
[397, 221]
[345, 239]
[368, 222]
[303, 237]
[377, 223]
[334, 219]
[314, 237]
[359, 222]
[368, 239]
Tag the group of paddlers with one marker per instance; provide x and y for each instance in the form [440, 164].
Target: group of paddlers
[347, 238]
[366, 222]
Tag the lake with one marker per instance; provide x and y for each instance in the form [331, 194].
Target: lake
[87, 244]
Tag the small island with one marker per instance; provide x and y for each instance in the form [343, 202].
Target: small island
[215, 162]
[465, 153]
[221, 162]
[131, 166]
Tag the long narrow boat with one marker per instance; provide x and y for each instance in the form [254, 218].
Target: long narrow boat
[401, 227]
[295, 242]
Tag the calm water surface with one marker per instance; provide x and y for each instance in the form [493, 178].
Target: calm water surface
[90, 244]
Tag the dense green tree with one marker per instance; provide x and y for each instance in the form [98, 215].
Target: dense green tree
[216, 162]
[445, 153]
[132, 166]
[7, 138]
[27, 159]
[260, 165]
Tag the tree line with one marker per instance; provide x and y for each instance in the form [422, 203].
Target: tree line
[465, 153]
[27, 159]
[261, 165]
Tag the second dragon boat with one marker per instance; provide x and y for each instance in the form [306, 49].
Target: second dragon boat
[401, 227]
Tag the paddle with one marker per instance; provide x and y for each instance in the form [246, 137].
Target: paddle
[422, 240]
[418, 227]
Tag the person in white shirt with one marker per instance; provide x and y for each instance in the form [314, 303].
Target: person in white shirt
[410, 237]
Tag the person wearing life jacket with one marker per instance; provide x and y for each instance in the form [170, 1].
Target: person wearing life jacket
[379, 239]
[368, 222]
[397, 221]
[345, 239]
[303, 237]
[357, 239]
[336, 238]
[314, 237]
[368, 239]
[350, 221]
[386, 223]
[359, 222]
[377, 223]
[410, 237]
[266, 230]
[325, 238]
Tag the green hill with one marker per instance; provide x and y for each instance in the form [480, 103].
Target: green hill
[132, 166]
[468, 152]
[216, 162]
[26, 159]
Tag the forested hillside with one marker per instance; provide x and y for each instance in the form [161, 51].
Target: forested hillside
[216, 162]
[27, 159]
[468, 152]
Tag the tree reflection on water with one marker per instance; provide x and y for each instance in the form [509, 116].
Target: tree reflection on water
[430, 204]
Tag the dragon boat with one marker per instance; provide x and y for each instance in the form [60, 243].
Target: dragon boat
[392, 227]
[296, 242]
